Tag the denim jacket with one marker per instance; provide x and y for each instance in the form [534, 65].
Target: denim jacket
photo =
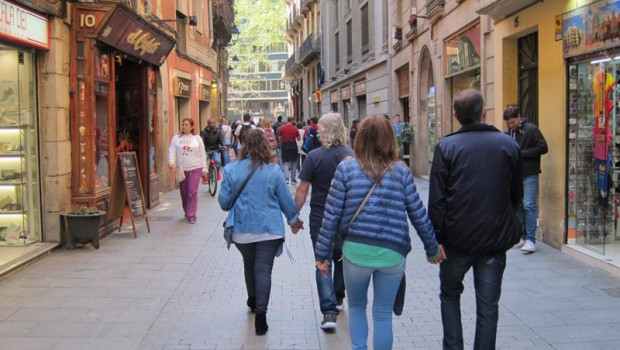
[260, 205]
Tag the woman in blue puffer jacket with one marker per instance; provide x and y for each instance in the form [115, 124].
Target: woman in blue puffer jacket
[377, 241]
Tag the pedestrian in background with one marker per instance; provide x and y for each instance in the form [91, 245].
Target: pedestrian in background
[254, 193]
[188, 151]
[289, 135]
[532, 144]
[476, 186]
[234, 138]
[353, 131]
[381, 189]
[318, 171]
[227, 135]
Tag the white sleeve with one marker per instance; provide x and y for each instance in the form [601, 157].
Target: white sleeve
[172, 150]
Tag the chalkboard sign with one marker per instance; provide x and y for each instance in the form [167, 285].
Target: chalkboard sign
[127, 191]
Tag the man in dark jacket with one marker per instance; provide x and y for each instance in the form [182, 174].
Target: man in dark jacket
[213, 140]
[476, 185]
[532, 144]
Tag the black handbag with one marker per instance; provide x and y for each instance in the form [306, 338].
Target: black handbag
[399, 302]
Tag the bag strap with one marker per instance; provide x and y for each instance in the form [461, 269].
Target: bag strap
[245, 182]
[359, 209]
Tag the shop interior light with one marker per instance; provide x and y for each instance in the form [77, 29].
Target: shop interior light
[616, 58]
[606, 59]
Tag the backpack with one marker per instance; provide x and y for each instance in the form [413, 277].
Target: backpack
[308, 144]
[271, 137]
[407, 134]
[244, 130]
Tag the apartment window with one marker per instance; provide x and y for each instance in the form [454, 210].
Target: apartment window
[350, 42]
[198, 14]
[181, 33]
[337, 50]
[365, 30]
[336, 12]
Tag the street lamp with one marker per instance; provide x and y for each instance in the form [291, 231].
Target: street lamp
[234, 31]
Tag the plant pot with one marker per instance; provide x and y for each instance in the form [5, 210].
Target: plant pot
[82, 229]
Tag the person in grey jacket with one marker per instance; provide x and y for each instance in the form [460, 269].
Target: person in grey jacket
[377, 242]
[254, 223]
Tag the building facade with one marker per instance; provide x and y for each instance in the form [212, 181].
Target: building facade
[356, 60]
[578, 60]
[303, 70]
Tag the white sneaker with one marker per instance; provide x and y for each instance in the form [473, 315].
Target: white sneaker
[520, 244]
[528, 247]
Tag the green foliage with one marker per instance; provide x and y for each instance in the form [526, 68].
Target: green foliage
[82, 210]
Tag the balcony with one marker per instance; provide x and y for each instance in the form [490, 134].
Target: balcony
[310, 50]
[223, 19]
[498, 9]
[434, 8]
[306, 5]
[292, 68]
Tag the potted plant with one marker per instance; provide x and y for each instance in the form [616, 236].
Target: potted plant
[81, 225]
[398, 33]
[413, 21]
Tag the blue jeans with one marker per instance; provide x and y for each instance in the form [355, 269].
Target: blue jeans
[385, 282]
[488, 272]
[226, 155]
[325, 285]
[257, 266]
[528, 213]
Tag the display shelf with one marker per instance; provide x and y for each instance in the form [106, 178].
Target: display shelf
[13, 212]
[12, 183]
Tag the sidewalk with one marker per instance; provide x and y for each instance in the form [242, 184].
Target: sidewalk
[179, 288]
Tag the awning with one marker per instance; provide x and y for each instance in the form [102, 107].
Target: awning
[130, 33]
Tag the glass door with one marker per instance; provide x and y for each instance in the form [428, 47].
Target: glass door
[20, 214]
[594, 154]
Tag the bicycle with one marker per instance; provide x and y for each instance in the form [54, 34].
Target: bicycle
[213, 173]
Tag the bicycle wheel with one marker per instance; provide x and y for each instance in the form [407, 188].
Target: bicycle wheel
[212, 180]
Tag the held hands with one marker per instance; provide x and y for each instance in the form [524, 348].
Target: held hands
[299, 225]
[323, 267]
[440, 258]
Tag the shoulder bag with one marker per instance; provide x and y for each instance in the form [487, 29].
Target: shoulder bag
[229, 230]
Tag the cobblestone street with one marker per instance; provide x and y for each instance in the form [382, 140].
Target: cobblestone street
[179, 288]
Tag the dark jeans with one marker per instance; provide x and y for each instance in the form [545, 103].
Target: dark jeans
[330, 290]
[488, 272]
[257, 266]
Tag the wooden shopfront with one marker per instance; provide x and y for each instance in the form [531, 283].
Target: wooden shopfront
[115, 59]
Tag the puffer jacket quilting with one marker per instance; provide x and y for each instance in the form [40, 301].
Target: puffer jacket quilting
[382, 221]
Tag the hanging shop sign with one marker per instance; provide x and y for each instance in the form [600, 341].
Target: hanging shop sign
[24, 26]
[131, 34]
[360, 88]
[592, 27]
[333, 97]
[346, 93]
[181, 87]
[462, 51]
[204, 93]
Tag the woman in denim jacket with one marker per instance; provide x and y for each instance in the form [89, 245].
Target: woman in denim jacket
[254, 223]
[377, 241]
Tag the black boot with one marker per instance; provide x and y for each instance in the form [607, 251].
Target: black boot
[252, 304]
[260, 323]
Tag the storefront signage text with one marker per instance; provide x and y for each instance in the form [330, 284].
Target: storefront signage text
[20, 24]
[360, 88]
[205, 92]
[143, 42]
[128, 33]
[346, 93]
[182, 87]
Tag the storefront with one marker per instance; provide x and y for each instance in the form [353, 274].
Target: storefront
[115, 59]
[22, 35]
[591, 46]
[345, 95]
[360, 97]
[462, 64]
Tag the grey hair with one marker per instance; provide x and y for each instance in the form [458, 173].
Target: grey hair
[332, 130]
